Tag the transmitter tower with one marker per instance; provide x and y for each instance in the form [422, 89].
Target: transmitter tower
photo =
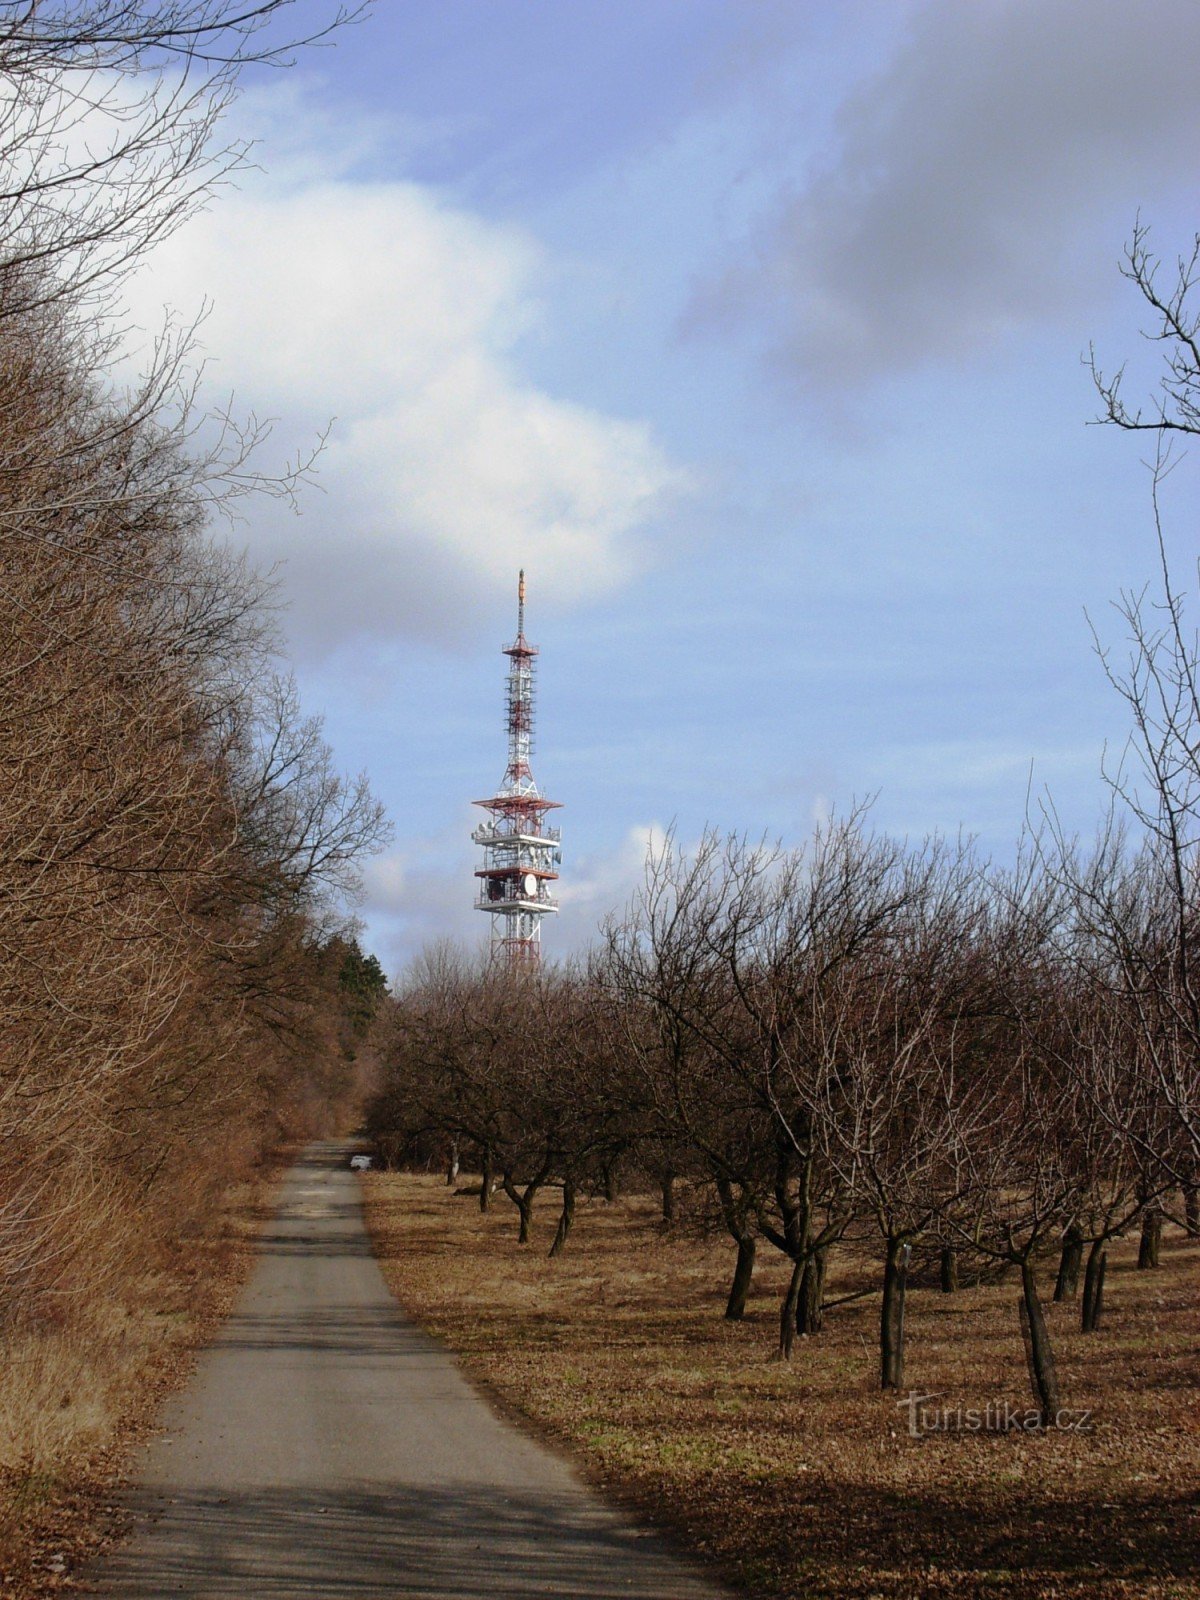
[520, 853]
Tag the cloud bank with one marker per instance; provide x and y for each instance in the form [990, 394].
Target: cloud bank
[947, 209]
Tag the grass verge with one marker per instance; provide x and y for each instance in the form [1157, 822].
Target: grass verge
[78, 1396]
[802, 1479]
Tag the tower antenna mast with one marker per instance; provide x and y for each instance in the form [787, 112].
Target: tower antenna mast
[520, 853]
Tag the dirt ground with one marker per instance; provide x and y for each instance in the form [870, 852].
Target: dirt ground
[803, 1479]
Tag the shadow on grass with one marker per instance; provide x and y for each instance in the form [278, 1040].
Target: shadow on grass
[1013, 1544]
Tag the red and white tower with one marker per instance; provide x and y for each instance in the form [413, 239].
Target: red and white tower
[520, 853]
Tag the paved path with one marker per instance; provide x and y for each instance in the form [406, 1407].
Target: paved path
[328, 1448]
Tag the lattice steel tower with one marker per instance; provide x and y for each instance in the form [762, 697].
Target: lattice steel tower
[520, 852]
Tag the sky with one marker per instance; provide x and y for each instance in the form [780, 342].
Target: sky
[756, 333]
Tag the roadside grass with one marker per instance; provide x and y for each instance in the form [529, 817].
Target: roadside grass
[81, 1388]
[803, 1479]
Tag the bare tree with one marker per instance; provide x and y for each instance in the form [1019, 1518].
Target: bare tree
[908, 1023]
[734, 950]
[659, 970]
[1144, 916]
[110, 116]
[1175, 325]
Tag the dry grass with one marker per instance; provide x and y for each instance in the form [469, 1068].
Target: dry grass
[802, 1480]
[79, 1392]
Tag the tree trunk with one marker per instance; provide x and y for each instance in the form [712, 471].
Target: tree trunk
[891, 1322]
[566, 1218]
[810, 1311]
[1069, 1263]
[948, 1267]
[1043, 1379]
[1148, 1248]
[612, 1186]
[747, 1246]
[740, 1288]
[452, 1167]
[524, 1204]
[1191, 1210]
[787, 1312]
[1093, 1278]
[668, 1199]
[489, 1178]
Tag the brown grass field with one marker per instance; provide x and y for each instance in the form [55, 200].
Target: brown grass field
[803, 1480]
[78, 1397]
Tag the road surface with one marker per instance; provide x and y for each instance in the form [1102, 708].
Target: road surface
[328, 1448]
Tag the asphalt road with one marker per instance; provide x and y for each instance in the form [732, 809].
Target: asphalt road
[328, 1448]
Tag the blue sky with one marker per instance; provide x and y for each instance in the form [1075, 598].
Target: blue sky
[754, 332]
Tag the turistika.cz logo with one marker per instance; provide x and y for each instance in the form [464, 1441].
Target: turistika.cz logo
[997, 1416]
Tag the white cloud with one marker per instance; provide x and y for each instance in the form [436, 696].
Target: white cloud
[604, 881]
[385, 882]
[396, 313]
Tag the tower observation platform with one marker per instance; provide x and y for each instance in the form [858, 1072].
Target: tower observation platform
[520, 852]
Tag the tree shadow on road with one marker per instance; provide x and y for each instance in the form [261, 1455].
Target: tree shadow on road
[453, 1543]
